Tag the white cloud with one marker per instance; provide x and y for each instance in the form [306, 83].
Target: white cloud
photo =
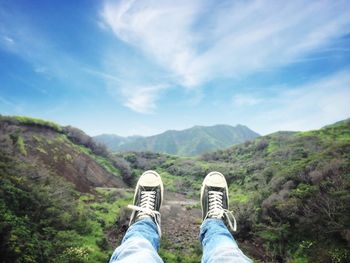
[197, 41]
[160, 29]
[142, 98]
[244, 100]
[40, 70]
[8, 39]
[305, 107]
[107, 77]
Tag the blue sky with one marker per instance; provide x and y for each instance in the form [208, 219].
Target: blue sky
[143, 67]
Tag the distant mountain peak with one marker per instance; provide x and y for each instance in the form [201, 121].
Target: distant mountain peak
[188, 142]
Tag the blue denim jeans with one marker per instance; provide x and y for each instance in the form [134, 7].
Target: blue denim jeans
[141, 243]
[218, 243]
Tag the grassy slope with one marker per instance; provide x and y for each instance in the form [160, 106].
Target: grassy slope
[289, 190]
[85, 231]
[43, 217]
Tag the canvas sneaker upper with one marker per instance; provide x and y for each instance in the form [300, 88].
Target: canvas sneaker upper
[148, 198]
[214, 199]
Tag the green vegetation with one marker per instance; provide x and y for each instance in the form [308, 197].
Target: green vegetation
[41, 150]
[18, 141]
[68, 157]
[38, 122]
[32, 122]
[36, 138]
[30, 231]
[39, 225]
[103, 161]
[107, 164]
[21, 146]
[290, 193]
[237, 195]
[171, 254]
[182, 175]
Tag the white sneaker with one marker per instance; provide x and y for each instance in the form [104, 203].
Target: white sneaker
[214, 199]
[148, 198]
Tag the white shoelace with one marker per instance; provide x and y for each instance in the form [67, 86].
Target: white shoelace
[146, 208]
[215, 209]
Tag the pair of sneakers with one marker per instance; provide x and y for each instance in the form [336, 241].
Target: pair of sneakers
[149, 194]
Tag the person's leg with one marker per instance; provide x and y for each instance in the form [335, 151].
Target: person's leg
[217, 241]
[141, 241]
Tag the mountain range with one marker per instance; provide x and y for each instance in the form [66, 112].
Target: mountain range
[188, 142]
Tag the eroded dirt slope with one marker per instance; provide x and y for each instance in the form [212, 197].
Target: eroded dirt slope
[52, 153]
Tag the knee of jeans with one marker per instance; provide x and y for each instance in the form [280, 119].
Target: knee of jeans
[138, 243]
[227, 254]
[132, 246]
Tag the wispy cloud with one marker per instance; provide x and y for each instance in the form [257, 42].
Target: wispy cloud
[142, 99]
[6, 104]
[107, 77]
[197, 41]
[47, 57]
[38, 51]
[8, 39]
[160, 29]
[305, 107]
[243, 100]
[138, 97]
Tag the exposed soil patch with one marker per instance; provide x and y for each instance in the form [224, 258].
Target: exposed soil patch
[181, 219]
[53, 154]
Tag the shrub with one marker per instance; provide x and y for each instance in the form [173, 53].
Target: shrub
[262, 144]
[79, 137]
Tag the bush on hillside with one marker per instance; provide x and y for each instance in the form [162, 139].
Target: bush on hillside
[124, 168]
[79, 137]
[39, 219]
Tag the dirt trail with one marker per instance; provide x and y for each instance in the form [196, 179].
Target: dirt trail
[181, 219]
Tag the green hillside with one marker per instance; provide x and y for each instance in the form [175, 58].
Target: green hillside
[59, 193]
[289, 190]
[62, 196]
[189, 142]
